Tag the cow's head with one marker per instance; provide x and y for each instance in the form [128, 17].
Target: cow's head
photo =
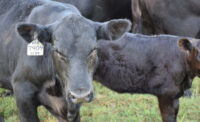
[74, 41]
[192, 50]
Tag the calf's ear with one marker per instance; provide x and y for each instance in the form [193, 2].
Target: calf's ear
[185, 44]
[29, 32]
[113, 29]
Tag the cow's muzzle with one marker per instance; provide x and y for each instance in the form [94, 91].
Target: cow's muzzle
[79, 96]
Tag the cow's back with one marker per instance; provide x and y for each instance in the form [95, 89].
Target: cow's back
[140, 63]
[14, 11]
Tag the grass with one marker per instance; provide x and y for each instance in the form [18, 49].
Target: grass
[110, 106]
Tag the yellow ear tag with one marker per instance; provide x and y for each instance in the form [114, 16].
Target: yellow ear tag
[35, 48]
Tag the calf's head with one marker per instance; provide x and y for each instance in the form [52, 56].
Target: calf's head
[74, 54]
[192, 50]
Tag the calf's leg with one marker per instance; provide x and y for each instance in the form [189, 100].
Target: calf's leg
[187, 93]
[1, 119]
[169, 108]
[25, 93]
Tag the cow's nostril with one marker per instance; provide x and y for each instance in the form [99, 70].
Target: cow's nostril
[73, 97]
[80, 97]
[89, 97]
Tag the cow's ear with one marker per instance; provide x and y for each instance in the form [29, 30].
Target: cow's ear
[113, 29]
[185, 44]
[31, 31]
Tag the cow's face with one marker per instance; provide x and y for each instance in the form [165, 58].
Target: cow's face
[74, 41]
[192, 50]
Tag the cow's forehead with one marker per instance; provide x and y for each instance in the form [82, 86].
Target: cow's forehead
[75, 35]
[74, 27]
[76, 23]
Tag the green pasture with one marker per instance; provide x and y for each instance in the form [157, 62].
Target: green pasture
[110, 106]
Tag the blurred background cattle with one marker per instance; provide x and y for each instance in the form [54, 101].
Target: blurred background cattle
[103, 10]
[176, 17]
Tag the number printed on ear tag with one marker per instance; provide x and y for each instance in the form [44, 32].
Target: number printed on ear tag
[35, 48]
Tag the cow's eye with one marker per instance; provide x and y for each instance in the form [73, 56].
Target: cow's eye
[62, 56]
[92, 58]
[64, 59]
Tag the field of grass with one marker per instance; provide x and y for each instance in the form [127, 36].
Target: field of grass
[109, 106]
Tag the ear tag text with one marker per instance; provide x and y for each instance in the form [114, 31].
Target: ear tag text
[35, 48]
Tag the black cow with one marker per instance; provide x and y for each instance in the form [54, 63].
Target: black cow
[60, 78]
[167, 17]
[177, 17]
[162, 65]
[103, 10]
